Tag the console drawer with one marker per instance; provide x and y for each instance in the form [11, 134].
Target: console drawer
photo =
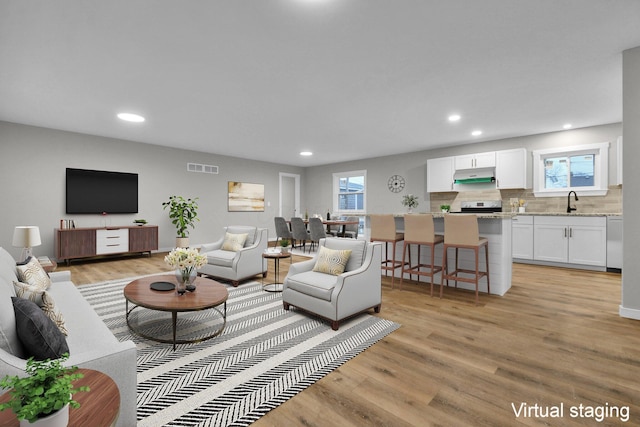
[112, 241]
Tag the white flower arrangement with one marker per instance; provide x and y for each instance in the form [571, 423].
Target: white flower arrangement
[186, 260]
[410, 201]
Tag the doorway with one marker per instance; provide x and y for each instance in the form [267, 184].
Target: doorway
[289, 195]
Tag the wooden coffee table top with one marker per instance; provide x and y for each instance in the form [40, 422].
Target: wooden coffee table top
[208, 294]
[99, 407]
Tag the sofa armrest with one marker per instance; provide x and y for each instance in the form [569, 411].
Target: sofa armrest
[208, 247]
[363, 285]
[301, 267]
[60, 276]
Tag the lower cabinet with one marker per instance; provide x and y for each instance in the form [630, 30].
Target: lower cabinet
[570, 240]
[522, 237]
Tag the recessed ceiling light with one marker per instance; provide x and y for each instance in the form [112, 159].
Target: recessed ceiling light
[454, 117]
[306, 153]
[567, 126]
[476, 133]
[130, 117]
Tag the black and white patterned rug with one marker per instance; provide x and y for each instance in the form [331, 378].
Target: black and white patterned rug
[265, 356]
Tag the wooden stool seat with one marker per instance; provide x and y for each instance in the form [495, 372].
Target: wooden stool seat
[461, 232]
[383, 229]
[419, 230]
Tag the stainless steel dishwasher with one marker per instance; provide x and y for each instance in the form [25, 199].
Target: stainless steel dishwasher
[614, 243]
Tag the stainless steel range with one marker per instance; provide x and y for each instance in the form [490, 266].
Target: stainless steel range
[481, 206]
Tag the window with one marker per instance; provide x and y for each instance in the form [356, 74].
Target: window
[582, 168]
[349, 192]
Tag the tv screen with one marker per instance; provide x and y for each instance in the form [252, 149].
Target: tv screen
[95, 192]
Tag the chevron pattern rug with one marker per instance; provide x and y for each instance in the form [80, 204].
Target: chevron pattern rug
[265, 356]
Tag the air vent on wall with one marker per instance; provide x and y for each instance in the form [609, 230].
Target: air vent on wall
[196, 167]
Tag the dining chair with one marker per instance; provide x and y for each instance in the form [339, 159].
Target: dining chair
[282, 229]
[351, 230]
[461, 232]
[383, 229]
[419, 230]
[299, 231]
[334, 230]
[316, 230]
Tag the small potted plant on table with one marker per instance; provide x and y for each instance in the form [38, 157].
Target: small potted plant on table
[45, 394]
[445, 208]
[284, 244]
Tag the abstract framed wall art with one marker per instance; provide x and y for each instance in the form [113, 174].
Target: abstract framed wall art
[245, 197]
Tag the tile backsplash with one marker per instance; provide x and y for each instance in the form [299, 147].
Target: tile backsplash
[611, 203]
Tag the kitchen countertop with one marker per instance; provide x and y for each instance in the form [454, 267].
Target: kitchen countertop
[501, 215]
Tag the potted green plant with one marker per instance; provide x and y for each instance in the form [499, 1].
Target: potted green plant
[47, 392]
[445, 208]
[183, 213]
[284, 244]
[410, 201]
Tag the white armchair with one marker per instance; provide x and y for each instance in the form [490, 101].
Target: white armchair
[236, 265]
[336, 298]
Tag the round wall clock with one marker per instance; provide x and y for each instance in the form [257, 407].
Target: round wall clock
[396, 183]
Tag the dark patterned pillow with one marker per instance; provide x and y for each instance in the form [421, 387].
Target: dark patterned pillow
[40, 337]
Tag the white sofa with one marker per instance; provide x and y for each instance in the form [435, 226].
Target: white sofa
[240, 265]
[91, 343]
[336, 298]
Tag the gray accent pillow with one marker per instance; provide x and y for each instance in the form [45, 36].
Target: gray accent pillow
[40, 337]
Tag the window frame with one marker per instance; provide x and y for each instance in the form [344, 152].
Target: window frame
[337, 176]
[600, 172]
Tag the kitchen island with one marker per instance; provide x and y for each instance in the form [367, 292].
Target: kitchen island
[494, 226]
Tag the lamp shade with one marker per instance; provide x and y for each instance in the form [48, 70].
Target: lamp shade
[26, 236]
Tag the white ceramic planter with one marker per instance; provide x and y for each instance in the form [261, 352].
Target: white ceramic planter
[57, 419]
[182, 242]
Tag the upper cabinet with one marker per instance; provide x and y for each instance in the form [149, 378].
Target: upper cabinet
[511, 168]
[473, 161]
[440, 174]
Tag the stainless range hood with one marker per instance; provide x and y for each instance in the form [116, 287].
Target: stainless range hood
[474, 176]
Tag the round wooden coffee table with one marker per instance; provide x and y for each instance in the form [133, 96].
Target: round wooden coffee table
[99, 407]
[209, 294]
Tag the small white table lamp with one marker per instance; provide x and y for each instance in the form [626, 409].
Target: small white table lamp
[26, 237]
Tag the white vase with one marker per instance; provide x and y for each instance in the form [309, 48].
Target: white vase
[521, 209]
[57, 419]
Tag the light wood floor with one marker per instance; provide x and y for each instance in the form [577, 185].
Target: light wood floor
[554, 338]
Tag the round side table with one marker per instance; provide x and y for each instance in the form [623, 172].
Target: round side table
[276, 286]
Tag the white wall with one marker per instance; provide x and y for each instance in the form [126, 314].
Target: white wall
[32, 173]
[630, 306]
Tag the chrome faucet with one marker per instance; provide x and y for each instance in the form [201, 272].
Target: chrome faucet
[569, 208]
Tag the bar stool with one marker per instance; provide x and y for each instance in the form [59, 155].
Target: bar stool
[383, 229]
[461, 232]
[419, 230]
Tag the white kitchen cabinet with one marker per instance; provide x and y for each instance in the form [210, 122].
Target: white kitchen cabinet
[511, 168]
[440, 174]
[573, 240]
[477, 160]
[522, 237]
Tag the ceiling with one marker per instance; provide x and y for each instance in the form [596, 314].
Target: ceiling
[345, 79]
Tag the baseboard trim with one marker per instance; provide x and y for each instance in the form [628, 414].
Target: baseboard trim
[629, 313]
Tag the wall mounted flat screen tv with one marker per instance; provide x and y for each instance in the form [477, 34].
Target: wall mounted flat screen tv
[95, 192]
